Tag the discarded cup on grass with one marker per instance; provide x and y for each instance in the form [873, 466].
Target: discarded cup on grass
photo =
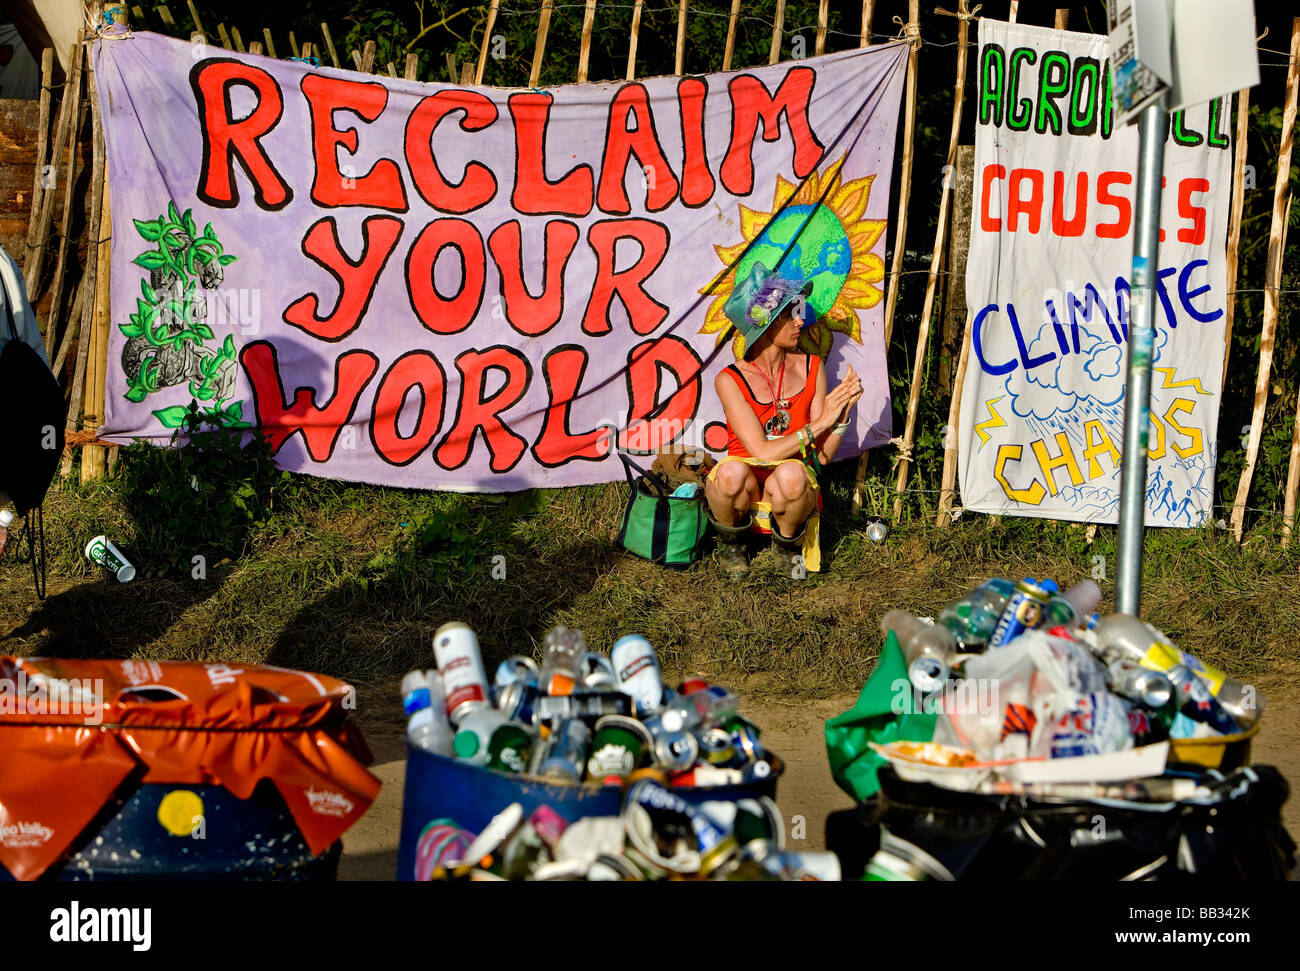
[101, 551]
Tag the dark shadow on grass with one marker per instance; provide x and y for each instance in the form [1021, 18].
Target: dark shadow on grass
[105, 619]
[370, 632]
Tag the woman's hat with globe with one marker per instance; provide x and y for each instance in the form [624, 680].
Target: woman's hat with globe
[758, 299]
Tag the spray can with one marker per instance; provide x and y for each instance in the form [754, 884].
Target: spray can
[637, 667]
[464, 682]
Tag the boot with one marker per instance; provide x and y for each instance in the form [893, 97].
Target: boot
[789, 546]
[733, 559]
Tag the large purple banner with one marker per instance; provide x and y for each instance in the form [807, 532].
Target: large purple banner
[478, 289]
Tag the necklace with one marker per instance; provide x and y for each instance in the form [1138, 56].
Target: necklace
[780, 420]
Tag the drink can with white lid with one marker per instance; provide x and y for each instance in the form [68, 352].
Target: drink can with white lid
[637, 668]
[464, 682]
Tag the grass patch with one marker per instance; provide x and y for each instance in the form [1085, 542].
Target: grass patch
[352, 580]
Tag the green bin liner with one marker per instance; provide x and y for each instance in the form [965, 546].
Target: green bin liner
[886, 711]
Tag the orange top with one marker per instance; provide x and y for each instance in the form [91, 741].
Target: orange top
[800, 404]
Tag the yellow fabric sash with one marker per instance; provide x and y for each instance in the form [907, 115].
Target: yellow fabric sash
[812, 553]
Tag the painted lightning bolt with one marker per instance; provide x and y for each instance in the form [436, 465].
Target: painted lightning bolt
[996, 421]
[1168, 373]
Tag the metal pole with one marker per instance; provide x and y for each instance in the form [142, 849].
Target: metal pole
[1152, 127]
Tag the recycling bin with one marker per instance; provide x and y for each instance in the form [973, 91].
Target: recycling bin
[438, 787]
[130, 770]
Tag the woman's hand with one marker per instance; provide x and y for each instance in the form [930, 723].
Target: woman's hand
[840, 400]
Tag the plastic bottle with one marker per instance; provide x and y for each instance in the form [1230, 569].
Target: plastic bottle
[427, 728]
[972, 618]
[562, 656]
[929, 649]
[1072, 608]
[699, 710]
[474, 735]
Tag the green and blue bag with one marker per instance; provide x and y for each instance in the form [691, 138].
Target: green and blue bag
[657, 525]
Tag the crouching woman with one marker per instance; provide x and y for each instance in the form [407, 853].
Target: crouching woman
[782, 423]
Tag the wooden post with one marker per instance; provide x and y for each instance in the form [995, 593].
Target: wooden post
[198, 24]
[868, 14]
[487, 40]
[94, 459]
[1062, 18]
[69, 333]
[1272, 281]
[1011, 14]
[166, 17]
[539, 50]
[329, 43]
[913, 33]
[823, 18]
[88, 279]
[730, 48]
[306, 51]
[38, 227]
[632, 41]
[1234, 221]
[584, 46]
[368, 50]
[42, 143]
[679, 60]
[237, 39]
[954, 285]
[778, 33]
[936, 257]
[1292, 480]
[255, 47]
[392, 70]
[411, 71]
[293, 45]
[466, 74]
[225, 36]
[270, 44]
[65, 222]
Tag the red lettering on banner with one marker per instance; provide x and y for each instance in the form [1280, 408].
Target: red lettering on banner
[563, 370]
[413, 371]
[750, 103]
[479, 185]
[642, 141]
[652, 425]
[1031, 205]
[476, 412]
[381, 187]
[1119, 228]
[356, 281]
[320, 426]
[644, 312]
[532, 316]
[446, 315]
[226, 141]
[534, 193]
[989, 222]
[1075, 224]
[1192, 213]
[697, 180]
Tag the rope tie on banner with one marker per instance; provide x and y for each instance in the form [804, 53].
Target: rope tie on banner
[904, 449]
[107, 27]
[911, 32]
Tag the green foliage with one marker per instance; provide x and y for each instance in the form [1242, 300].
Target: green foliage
[201, 497]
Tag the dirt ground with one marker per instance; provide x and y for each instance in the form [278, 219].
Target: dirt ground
[795, 732]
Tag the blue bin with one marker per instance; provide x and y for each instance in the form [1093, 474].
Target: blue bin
[242, 839]
[438, 787]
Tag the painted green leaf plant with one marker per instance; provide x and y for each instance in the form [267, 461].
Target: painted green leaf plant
[168, 336]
